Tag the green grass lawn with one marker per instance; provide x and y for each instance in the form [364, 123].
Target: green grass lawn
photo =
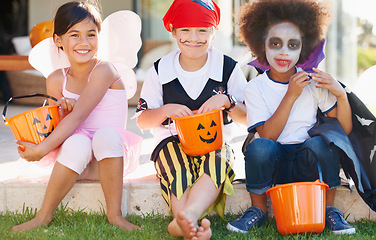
[80, 225]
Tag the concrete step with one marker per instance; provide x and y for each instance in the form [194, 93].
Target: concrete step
[142, 196]
[24, 184]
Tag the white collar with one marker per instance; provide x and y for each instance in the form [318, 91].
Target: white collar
[167, 72]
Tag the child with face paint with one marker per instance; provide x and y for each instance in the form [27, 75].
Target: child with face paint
[195, 77]
[282, 105]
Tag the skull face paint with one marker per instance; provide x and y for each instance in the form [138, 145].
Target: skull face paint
[283, 46]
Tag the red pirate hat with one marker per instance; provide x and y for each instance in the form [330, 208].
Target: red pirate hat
[192, 13]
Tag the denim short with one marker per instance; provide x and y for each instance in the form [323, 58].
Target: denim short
[264, 156]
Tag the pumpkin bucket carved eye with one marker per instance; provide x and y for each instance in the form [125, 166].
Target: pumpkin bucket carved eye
[211, 133]
[201, 133]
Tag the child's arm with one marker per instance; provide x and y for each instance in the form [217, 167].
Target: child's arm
[152, 118]
[343, 111]
[235, 87]
[238, 113]
[101, 79]
[273, 127]
[54, 88]
[154, 112]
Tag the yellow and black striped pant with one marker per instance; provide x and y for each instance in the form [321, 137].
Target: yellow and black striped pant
[177, 171]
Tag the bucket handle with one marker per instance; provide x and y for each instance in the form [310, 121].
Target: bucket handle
[293, 153]
[25, 96]
[169, 127]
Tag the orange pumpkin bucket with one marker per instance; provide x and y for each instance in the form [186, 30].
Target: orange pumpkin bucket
[201, 133]
[33, 125]
[299, 207]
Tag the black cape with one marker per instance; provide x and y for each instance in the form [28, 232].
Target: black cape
[358, 148]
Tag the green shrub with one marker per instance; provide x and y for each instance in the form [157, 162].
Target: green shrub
[366, 58]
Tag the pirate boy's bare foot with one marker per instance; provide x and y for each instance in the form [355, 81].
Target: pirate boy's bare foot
[187, 227]
[204, 231]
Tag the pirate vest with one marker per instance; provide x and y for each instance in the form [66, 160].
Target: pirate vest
[173, 91]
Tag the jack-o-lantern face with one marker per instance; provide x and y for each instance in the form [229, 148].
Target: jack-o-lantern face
[208, 138]
[44, 128]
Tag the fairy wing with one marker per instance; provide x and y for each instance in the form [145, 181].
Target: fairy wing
[46, 57]
[119, 43]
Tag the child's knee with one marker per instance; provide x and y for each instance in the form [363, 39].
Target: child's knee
[315, 143]
[107, 142]
[261, 150]
[75, 153]
[321, 149]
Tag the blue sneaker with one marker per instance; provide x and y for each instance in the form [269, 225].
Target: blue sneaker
[334, 219]
[253, 216]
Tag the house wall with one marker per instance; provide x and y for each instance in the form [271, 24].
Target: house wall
[43, 10]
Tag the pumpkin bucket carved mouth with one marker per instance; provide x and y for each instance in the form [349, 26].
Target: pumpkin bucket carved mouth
[210, 140]
[201, 133]
[34, 125]
[45, 134]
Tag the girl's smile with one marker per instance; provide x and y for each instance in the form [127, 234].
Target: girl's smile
[80, 42]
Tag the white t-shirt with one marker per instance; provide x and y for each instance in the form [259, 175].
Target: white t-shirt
[263, 96]
[193, 83]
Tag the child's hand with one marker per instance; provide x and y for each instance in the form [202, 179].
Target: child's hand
[29, 151]
[176, 110]
[215, 102]
[325, 80]
[297, 83]
[66, 105]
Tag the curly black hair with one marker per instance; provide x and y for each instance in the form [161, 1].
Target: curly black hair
[312, 17]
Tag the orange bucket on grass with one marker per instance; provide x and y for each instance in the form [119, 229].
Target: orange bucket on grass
[201, 133]
[299, 207]
[33, 125]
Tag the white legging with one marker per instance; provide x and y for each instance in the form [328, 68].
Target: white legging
[78, 150]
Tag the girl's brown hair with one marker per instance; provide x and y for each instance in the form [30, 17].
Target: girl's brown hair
[72, 13]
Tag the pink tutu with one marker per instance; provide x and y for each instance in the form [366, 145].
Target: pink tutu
[132, 151]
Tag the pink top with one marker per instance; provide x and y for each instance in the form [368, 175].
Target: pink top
[111, 111]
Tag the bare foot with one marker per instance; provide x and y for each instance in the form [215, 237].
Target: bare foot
[204, 231]
[187, 227]
[32, 224]
[120, 222]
